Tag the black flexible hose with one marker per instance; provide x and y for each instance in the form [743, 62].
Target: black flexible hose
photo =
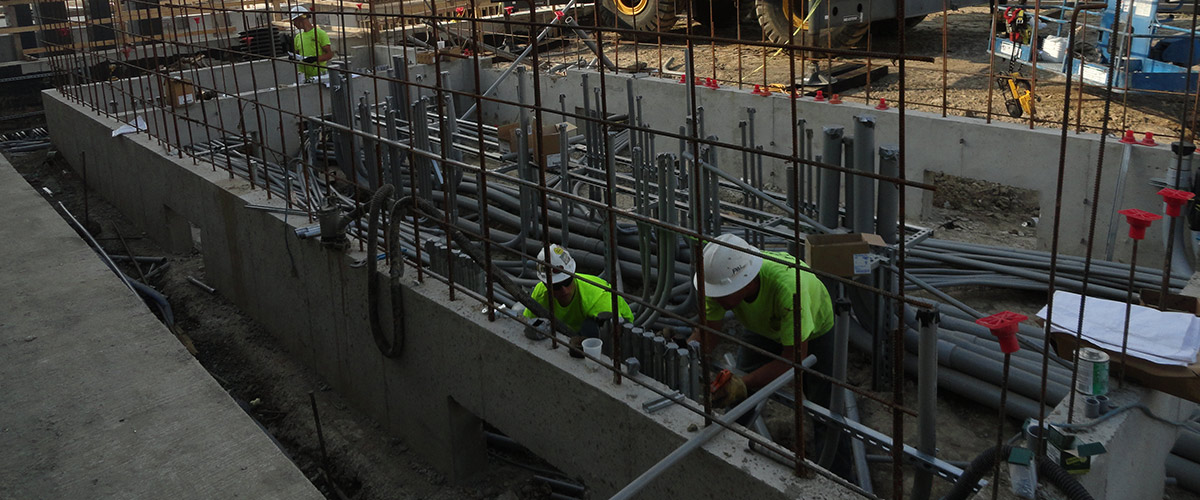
[390, 348]
[985, 463]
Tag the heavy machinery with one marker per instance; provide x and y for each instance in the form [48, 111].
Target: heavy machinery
[1155, 51]
[846, 21]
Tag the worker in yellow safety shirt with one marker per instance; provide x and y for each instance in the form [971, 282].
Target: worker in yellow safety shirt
[761, 294]
[578, 298]
[311, 43]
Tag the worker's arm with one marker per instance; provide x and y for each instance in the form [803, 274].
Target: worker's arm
[710, 339]
[326, 53]
[770, 371]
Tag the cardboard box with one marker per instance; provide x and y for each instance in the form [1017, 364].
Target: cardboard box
[549, 135]
[426, 56]
[1181, 381]
[845, 255]
[178, 92]
[1175, 302]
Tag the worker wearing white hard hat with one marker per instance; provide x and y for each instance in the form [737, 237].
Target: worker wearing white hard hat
[761, 293]
[311, 43]
[578, 298]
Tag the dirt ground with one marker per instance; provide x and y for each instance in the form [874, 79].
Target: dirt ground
[960, 67]
[364, 462]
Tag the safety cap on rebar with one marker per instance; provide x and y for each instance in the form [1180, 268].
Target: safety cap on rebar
[1128, 138]
[820, 97]
[882, 106]
[711, 83]
[836, 99]
[1148, 139]
[1004, 327]
[1138, 221]
[1175, 200]
[761, 90]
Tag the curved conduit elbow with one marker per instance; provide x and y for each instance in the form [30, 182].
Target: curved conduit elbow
[986, 461]
[393, 347]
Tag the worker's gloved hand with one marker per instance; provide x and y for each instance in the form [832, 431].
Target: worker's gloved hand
[730, 393]
[310, 59]
[577, 346]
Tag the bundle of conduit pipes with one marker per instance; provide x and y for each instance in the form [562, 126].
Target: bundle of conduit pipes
[657, 184]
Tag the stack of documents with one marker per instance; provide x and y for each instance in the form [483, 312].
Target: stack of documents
[1166, 338]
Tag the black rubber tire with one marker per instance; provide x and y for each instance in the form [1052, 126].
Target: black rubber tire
[715, 13]
[655, 15]
[777, 27]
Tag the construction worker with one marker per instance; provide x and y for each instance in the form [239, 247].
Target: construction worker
[761, 294]
[311, 43]
[578, 297]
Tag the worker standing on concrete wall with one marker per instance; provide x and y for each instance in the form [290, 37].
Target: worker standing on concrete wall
[761, 294]
[311, 43]
[578, 297]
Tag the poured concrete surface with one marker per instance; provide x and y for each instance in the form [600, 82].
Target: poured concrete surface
[97, 398]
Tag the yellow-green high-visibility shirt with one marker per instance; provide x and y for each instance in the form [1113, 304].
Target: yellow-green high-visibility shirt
[590, 300]
[311, 43]
[770, 314]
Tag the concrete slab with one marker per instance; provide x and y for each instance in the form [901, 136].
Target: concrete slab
[97, 398]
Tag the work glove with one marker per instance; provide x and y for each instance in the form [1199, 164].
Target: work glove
[729, 393]
[310, 59]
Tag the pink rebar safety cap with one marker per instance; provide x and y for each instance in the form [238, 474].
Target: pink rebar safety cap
[1004, 327]
[1138, 221]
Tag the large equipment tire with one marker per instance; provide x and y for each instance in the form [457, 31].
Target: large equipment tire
[778, 21]
[642, 15]
[715, 13]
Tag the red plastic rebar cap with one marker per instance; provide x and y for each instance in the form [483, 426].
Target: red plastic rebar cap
[682, 78]
[1148, 140]
[1175, 199]
[1004, 326]
[1128, 138]
[761, 90]
[1138, 221]
[882, 106]
[836, 99]
[711, 83]
[509, 9]
[820, 97]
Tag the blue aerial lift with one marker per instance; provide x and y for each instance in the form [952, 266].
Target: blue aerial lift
[1150, 56]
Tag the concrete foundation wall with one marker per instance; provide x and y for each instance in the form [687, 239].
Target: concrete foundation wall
[456, 367]
[1006, 153]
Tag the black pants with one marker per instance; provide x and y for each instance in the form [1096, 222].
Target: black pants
[816, 389]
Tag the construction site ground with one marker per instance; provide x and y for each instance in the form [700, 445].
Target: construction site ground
[965, 78]
[365, 463]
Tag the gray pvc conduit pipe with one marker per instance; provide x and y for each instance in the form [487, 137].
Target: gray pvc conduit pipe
[1094, 290]
[1185, 472]
[862, 472]
[1017, 406]
[837, 400]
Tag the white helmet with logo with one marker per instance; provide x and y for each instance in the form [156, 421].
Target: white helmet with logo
[298, 12]
[561, 264]
[727, 270]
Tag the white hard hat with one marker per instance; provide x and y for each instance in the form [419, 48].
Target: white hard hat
[727, 270]
[561, 264]
[298, 12]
